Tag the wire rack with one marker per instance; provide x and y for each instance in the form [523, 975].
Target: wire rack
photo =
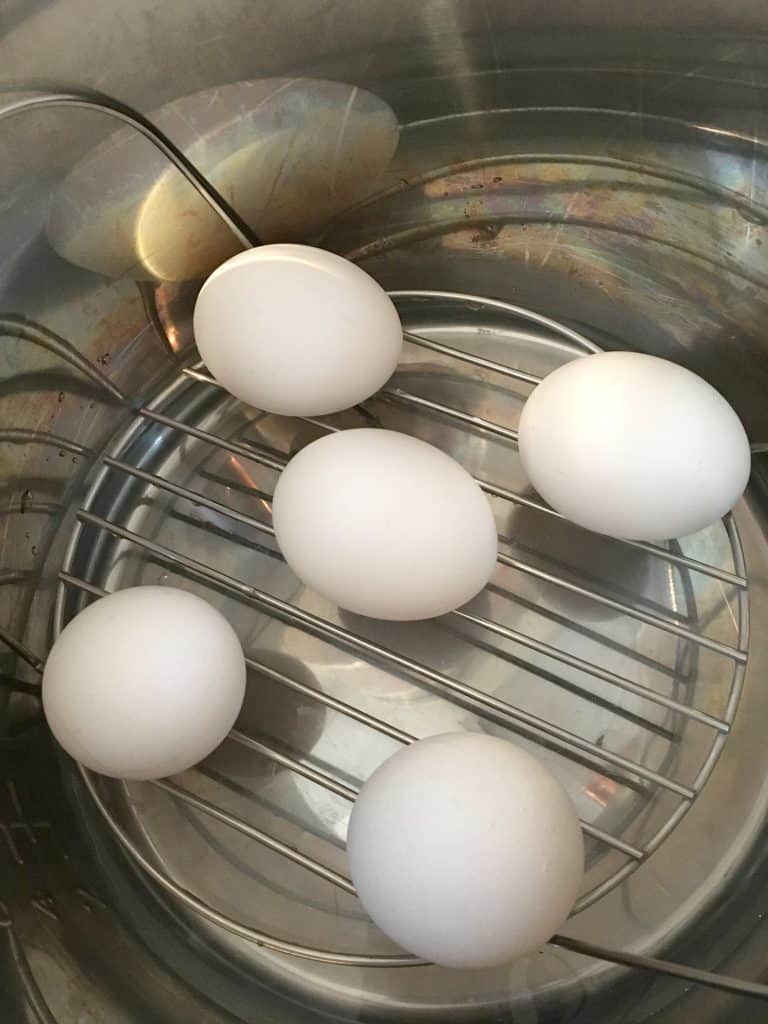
[118, 460]
[83, 577]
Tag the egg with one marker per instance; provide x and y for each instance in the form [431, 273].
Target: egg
[296, 330]
[144, 683]
[384, 525]
[633, 446]
[465, 850]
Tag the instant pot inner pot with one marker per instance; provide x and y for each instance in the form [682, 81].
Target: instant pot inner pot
[626, 667]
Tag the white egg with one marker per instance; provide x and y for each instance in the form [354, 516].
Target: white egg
[144, 683]
[465, 850]
[633, 446]
[384, 525]
[296, 330]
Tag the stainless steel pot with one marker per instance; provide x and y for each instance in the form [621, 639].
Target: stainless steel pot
[531, 184]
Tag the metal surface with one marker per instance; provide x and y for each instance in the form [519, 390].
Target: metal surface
[128, 502]
[611, 178]
[122, 112]
[323, 778]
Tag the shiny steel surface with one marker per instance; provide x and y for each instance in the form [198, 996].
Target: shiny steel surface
[201, 569]
[185, 552]
[171, 152]
[608, 175]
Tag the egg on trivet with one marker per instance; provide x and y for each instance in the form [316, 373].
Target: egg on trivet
[633, 446]
[295, 330]
[384, 525]
[465, 850]
[144, 683]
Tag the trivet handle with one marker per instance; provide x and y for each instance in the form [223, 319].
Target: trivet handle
[649, 963]
[122, 112]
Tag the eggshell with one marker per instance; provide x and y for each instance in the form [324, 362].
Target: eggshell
[295, 330]
[633, 446]
[144, 683]
[384, 525]
[465, 850]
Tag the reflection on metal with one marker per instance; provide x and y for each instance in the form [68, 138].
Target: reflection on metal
[749, 142]
[288, 154]
[14, 326]
[169, 150]
[21, 650]
[34, 996]
[730, 197]
[20, 686]
[704, 192]
[21, 435]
